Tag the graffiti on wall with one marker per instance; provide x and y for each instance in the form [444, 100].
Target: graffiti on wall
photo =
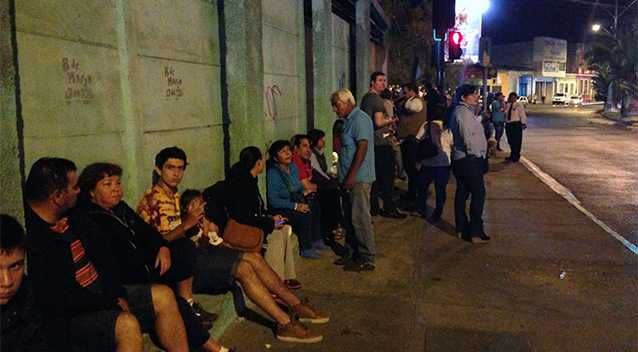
[342, 80]
[271, 95]
[173, 84]
[78, 85]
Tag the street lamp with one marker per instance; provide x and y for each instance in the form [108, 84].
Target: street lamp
[596, 27]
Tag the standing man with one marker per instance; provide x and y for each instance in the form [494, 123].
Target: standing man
[497, 109]
[20, 323]
[413, 114]
[516, 123]
[373, 105]
[469, 153]
[356, 173]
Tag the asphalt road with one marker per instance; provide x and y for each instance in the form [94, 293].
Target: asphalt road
[595, 158]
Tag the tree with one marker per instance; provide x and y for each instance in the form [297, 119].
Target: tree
[615, 60]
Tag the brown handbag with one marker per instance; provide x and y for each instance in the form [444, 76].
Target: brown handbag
[243, 237]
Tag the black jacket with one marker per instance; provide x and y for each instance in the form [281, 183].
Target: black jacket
[21, 323]
[51, 268]
[133, 242]
[244, 202]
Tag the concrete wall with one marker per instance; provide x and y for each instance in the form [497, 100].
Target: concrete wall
[10, 178]
[284, 73]
[118, 80]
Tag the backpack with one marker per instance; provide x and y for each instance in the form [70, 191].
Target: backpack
[426, 148]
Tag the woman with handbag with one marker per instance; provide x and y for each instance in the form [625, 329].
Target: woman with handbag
[245, 205]
[286, 196]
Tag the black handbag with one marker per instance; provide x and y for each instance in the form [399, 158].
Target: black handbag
[425, 147]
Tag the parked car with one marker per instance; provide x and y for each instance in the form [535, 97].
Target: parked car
[560, 99]
[576, 100]
[523, 100]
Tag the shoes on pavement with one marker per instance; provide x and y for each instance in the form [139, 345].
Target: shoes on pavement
[395, 214]
[310, 253]
[359, 267]
[202, 314]
[483, 238]
[295, 331]
[292, 284]
[309, 314]
[320, 246]
[342, 261]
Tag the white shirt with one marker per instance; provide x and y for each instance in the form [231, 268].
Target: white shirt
[518, 113]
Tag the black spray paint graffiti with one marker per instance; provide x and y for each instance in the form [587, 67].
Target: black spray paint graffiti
[78, 85]
[174, 84]
[342, 80]
[271, 94]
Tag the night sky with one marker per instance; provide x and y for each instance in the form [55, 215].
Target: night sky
[521, 20]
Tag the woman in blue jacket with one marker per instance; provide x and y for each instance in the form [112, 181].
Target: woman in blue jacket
[286, 196]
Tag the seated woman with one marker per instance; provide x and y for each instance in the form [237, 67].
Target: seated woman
[245, 205]
[328, 189]
[140, 256]
[286, 196]
[261, 284]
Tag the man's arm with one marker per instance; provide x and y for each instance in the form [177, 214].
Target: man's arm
[359, 157]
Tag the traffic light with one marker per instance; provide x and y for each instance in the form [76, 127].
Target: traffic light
[455, 38]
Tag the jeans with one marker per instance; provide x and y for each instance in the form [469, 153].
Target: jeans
[360, 237]
[514, 132]
[499, 127]
[383, 187]
[440, 175]
[307, 226]
[469, 182]
[408, 150]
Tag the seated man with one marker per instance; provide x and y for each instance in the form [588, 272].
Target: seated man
[216, 266]
[20, 323]
[83, 309]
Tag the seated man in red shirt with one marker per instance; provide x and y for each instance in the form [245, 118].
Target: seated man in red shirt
[301, 159]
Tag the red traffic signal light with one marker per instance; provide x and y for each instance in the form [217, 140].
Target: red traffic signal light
[455, 38]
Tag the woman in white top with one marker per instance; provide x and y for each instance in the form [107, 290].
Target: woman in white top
[436, 168]
[515, 123]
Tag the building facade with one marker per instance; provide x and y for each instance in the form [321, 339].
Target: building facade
[541, 68]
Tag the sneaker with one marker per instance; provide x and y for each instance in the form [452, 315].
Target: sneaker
[392, 214]
[309, 314]
[292, 284]
[320, 246]
[203, 314]
[480, 239]
[359, 267]
[296, 332]
[342, 261]
[310, 253]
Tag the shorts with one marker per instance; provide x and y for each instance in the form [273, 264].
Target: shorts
[95, 331]
[215, 268]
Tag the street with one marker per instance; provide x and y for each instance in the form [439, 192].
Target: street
[550, 280]
[594, 158]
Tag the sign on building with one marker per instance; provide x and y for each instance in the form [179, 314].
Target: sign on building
[551, 55]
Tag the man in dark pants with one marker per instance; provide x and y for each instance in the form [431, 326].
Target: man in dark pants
[372, 104]
[413, 113]
[516, 122]
[470, 150]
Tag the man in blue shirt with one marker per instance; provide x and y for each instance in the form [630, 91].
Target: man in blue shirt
[356, 173]
[497, 109]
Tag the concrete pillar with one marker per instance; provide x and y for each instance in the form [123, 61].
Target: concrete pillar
[245, 72]
[11, 151]
[362, 25]
[135, 182]
[322, 50]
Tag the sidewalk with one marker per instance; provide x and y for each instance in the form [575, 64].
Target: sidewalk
[550, 280]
